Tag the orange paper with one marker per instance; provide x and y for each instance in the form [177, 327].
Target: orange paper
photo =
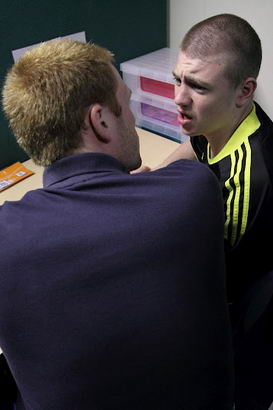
[13, 174]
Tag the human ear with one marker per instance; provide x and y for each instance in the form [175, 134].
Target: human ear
[246, 91]
[98, 118]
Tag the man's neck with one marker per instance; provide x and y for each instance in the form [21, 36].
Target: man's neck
[217, 141]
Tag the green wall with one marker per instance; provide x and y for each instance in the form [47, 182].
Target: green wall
[128, 28]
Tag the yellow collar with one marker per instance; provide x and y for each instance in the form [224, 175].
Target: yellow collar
[250, 124]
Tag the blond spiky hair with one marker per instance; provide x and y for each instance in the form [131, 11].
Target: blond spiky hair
[46, 94]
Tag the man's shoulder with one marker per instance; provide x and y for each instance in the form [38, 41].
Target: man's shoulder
[189, 175]
[192, 168]
[264, 137]
[30, 199]
[263, 117]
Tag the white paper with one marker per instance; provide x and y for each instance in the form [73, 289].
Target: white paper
[21, 51]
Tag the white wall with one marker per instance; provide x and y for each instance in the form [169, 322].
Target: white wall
[259, 13]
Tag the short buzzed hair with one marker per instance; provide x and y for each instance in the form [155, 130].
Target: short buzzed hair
[226, 33]
[48, 91]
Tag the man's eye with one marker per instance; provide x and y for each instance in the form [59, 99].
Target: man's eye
[177, 81]
[198, 87]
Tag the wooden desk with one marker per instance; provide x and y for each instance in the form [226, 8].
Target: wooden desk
[153, 148]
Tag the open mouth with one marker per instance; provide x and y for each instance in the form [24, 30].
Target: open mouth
[185, 116]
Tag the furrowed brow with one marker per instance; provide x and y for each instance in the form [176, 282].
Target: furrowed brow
[197, 82]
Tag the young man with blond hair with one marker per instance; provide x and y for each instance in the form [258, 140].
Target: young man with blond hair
[103, 303]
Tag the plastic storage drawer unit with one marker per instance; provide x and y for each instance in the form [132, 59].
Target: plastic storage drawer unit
[157, 114]
[152, 101]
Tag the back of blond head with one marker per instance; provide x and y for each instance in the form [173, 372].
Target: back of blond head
[229, 35]
[47, 92]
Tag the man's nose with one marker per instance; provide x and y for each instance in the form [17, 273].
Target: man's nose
[182, 95]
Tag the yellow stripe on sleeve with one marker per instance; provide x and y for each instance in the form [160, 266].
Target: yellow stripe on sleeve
[230, 195]
[236, 204]
[246, 188]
